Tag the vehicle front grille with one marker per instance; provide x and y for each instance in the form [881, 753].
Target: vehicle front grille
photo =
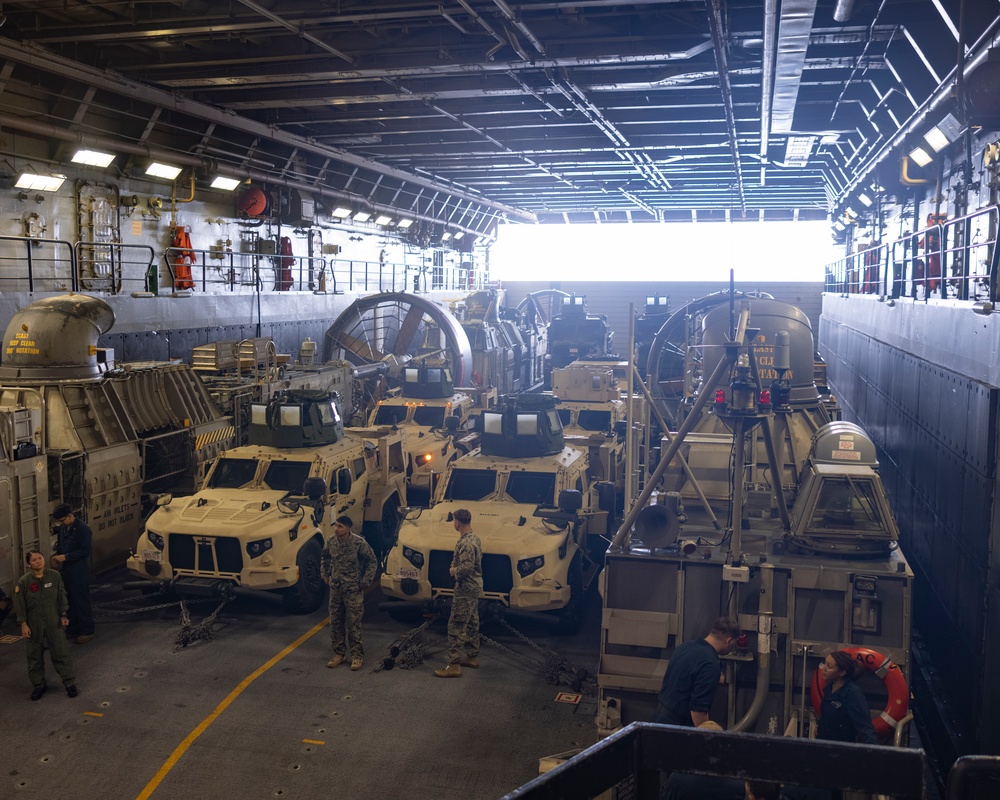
[204, 553]
[497, 574]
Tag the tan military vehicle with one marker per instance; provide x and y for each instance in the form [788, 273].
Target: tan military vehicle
[593, 416]
[541, 519]
[429, 412]
[264, 510]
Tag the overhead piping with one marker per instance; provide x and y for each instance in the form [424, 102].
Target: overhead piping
[715, 24]
[208, 164]
[124, 87]
[794, 27]
[296, 28]
[929, 110]
[767, 81]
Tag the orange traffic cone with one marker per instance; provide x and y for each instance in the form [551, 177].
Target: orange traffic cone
[183, 259]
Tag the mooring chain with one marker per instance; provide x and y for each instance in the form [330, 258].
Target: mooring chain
[203, 630]
[407, 652]
[558, 669]
[142, 609]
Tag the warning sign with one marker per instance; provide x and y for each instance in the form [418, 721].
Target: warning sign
[566, 697]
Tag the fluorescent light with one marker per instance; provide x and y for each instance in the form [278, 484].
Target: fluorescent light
[445, 236]
[362, 216]
[865, 199]
[943, 134]
[93, 158]
[158, 170]
[797, 150]
[40, 183]
[340, 212]
[459, 235]
[920, 157]
[405, 223]
[382, 220]
[829, 138]
[222, 182]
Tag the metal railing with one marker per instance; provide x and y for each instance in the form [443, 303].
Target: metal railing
[54, 265]
[956, 259]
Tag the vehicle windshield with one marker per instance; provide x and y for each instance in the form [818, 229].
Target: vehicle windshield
[232, 473]
[591, 420]
[846, 503]
[390, 415]
[287, 476]
[432, 416]
[532, 487]
[565, 416]
[471, 484]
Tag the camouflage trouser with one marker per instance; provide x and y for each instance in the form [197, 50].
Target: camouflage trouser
[58, 653]
[463, 628]
[349, 603]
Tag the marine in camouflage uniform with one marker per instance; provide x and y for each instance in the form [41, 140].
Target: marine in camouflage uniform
[463, 624]
[348, 565]
[41, 603]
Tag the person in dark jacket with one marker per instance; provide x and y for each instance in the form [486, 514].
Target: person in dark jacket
[40, 603]
[844, 715]
[72, 558]
[693, 675]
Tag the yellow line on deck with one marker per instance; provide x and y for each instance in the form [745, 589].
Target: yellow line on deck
[313, 741]
[203, 726]
[92, 714]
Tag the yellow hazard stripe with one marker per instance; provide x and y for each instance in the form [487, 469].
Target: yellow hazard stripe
[205, 439]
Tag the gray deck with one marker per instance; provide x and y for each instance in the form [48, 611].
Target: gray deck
[297, 729]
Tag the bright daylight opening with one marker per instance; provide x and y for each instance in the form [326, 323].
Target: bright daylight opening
[704, 251]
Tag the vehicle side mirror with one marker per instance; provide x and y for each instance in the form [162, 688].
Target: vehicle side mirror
[344, 480]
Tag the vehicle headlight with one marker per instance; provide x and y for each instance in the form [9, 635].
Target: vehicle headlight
[423, 459]
[155, 539]
[258, 547]
[414, 557]
[528, 565]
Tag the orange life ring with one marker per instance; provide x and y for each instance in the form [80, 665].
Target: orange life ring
[892, 676]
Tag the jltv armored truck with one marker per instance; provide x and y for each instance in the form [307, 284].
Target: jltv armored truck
[429, 411]
[543, 523]
[264, 511]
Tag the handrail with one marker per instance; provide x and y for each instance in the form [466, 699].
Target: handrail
[39, 271]
[957, 258]
[120, 268]
[43, 265]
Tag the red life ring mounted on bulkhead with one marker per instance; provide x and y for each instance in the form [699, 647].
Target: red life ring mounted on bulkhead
[892, 676]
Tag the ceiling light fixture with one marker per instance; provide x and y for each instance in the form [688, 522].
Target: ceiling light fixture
[93, 158]
[865, 199]
[920, 157]
[39, 183]
[943, 134]
[224, 183]
[404, 223]
[362, 216]
[158, 170]
[459, 235]
[445, 236]
[340, 212]
[382, 219]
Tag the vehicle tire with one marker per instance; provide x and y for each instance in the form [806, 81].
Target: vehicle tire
[382, 535]
[405, 612]
[307, 594]
[571, 615]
